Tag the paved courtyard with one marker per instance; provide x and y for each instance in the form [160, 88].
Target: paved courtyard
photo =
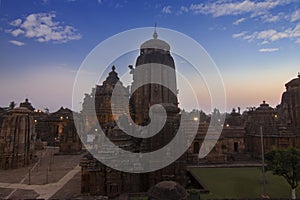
[53, 176]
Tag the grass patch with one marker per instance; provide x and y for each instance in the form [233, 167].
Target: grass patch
[240, 182]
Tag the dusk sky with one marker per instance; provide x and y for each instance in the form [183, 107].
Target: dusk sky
[255, 44]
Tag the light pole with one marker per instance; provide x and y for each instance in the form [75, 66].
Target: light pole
[263, 161]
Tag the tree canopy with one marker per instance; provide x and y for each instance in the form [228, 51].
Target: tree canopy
[285, 163]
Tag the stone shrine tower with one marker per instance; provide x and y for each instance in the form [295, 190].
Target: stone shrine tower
[103, 95]
[155, 54]
[17, 139]
[290, 105]
[156, 63]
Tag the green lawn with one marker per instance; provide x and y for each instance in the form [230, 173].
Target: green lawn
[241, 183]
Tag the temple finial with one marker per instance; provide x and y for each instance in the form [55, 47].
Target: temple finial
[113, 68]
[155, 33]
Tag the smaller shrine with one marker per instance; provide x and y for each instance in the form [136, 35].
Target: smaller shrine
[264, 122]
[17, 138]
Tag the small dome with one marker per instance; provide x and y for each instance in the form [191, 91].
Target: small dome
[167, 190]
[155, 44]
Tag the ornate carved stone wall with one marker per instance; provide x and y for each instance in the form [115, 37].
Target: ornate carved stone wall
[17, 139]
[290, 105]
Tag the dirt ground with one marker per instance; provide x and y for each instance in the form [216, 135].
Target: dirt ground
[53, 176]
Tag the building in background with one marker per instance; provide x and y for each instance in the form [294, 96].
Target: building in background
[58, 129]
[265, 122]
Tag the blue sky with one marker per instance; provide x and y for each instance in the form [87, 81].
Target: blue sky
[255, 44]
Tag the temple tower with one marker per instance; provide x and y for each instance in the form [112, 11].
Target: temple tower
[154, 63]
[103, 95]
[17, 139]
[154, 53]
[290, 105]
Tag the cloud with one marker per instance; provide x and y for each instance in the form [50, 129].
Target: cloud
[167, 9]
[225, 8]
[267, 50]
[43, 28]
[17, 32]
[16, 22]
[273, 18]
[271, 35]
[183, 9]
[238, 35]
[237, 22]
[17, 43]
[295, 16]
[265, 42]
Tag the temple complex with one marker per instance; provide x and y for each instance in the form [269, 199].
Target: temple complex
[240, 139]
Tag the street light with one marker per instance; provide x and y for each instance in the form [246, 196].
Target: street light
[263, 162]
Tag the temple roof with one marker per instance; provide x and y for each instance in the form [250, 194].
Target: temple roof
[27, 105]
[112, 78]
[264, 107]
[294, 82]
[155, 44]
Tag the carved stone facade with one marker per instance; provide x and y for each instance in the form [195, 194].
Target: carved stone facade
[289, 108]
[290, 105]
[96, 178]
[17, 139]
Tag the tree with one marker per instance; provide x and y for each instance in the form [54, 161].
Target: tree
[285, 163]
[12, 105]
[46, 110]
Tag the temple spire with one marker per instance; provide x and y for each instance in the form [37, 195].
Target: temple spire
[155, 33]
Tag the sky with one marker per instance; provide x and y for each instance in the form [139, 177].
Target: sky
[254, 44]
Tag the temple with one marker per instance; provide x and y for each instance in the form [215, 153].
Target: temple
[290, 105]
[111, 182]
[17, 138]
[24, 131]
